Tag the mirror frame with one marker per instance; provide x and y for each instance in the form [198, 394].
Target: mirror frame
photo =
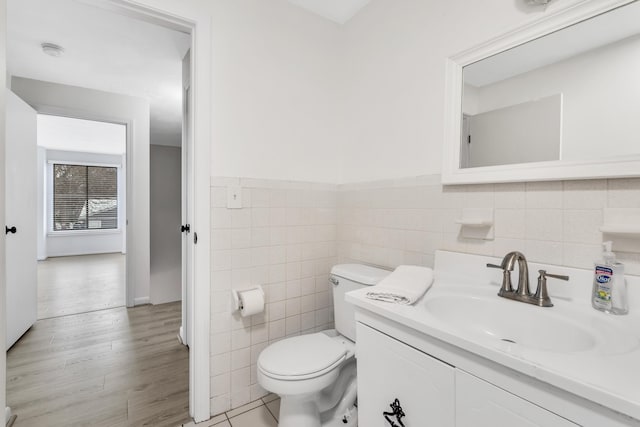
[626, 166]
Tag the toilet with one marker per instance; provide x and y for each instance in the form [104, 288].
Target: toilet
[315, 374]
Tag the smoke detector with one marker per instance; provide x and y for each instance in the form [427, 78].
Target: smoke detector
[52, 49]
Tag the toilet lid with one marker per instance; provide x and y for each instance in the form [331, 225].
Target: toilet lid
[306, 356]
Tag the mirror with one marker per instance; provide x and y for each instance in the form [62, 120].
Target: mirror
[558, 99]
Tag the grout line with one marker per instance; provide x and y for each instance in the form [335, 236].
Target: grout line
[271, 413]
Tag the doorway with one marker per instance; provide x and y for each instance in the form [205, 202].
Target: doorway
[81, 231]
[136, 297]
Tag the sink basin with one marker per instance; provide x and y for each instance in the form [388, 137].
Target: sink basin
[514, 323]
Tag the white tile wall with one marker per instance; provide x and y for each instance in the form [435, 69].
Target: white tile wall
[288, 235]
[283, 238]
[389, 223]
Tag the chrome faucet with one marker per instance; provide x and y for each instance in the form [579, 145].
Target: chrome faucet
[523, 293]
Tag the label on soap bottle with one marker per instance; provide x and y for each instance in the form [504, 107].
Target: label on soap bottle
[603, 281]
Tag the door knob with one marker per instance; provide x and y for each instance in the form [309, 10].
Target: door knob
[185, 227]
[11, 230]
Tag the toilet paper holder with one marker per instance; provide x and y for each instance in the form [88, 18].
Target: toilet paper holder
[237, 301]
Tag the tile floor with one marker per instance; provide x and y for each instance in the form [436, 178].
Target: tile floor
[261, 413]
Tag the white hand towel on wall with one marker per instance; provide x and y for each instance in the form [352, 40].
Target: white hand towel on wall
[405, 285]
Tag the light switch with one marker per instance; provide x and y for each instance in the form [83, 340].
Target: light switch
[234, 197]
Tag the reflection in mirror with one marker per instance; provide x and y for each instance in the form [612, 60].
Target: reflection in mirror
[571, 95]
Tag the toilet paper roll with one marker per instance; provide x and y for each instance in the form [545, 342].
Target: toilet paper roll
[251, 302]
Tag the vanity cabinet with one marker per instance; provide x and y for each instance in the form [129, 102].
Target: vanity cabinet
[399, 385]
[481, 404]
[397, 382]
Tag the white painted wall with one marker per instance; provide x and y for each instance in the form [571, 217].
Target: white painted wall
[83, 242]
[394, 65]
[601, 99]
[278, 85]
[51, 98]
[85, 136]
[522, 133]
[166, 239]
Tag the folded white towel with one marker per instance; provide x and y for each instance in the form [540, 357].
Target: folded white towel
[405, 285]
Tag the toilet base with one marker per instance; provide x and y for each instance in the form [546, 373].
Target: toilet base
[332, 407]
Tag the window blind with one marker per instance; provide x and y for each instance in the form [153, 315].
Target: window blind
[84, 197]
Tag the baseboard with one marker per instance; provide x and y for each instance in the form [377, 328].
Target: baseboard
[141, 301]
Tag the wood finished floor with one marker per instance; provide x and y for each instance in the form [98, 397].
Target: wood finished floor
[79, 284]
[115, 367]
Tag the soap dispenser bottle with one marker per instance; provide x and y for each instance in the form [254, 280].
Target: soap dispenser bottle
[609, 287]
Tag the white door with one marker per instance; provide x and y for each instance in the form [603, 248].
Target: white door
[20, 212]
[187, 199]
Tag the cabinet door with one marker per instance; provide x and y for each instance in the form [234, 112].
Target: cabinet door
[480, 404]
[401, 386]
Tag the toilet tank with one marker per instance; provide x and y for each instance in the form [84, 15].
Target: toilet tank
[346, 278]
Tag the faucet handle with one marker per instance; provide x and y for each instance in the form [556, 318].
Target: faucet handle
[495, 266]
[506, 279]
[542, 295]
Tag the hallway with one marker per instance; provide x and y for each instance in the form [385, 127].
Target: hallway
[115, 367]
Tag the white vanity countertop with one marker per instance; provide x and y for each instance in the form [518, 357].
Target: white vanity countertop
[607, 373]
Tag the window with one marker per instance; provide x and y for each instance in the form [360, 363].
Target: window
[84, 197]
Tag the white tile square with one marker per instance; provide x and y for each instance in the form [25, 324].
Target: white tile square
[260, 256]
[582, 226]
[293, 289]
[221, 260]
[277, 310]
[240, 379]
[259, 334]
[220, 364]
[240, 238]
[543, 195]
[585, 194]
[240, 218]
[276, 292]
[220, 384]
[543, 224]
[240, 358]
[260, 236]
[292, 307]
[292, 270]
[240, 338]
[292, 325]
[241, 258]
[277, 329]
[278, 236]
[623, 193]
[220, 239]
[260, 197]
[260, 217]
[220, 218]
[220, 343]
[510, 223]
[510, 195]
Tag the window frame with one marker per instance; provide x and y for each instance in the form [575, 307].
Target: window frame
[51, 231]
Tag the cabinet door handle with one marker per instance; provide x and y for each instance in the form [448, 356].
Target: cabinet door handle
[12, 230]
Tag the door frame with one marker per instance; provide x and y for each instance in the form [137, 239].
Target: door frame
[194, 20]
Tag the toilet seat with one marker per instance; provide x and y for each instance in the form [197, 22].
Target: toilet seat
[303, 357]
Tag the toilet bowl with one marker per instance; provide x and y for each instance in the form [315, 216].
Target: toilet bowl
[315, 374]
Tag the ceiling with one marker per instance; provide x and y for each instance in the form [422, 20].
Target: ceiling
[103, 50]
[339, 11]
